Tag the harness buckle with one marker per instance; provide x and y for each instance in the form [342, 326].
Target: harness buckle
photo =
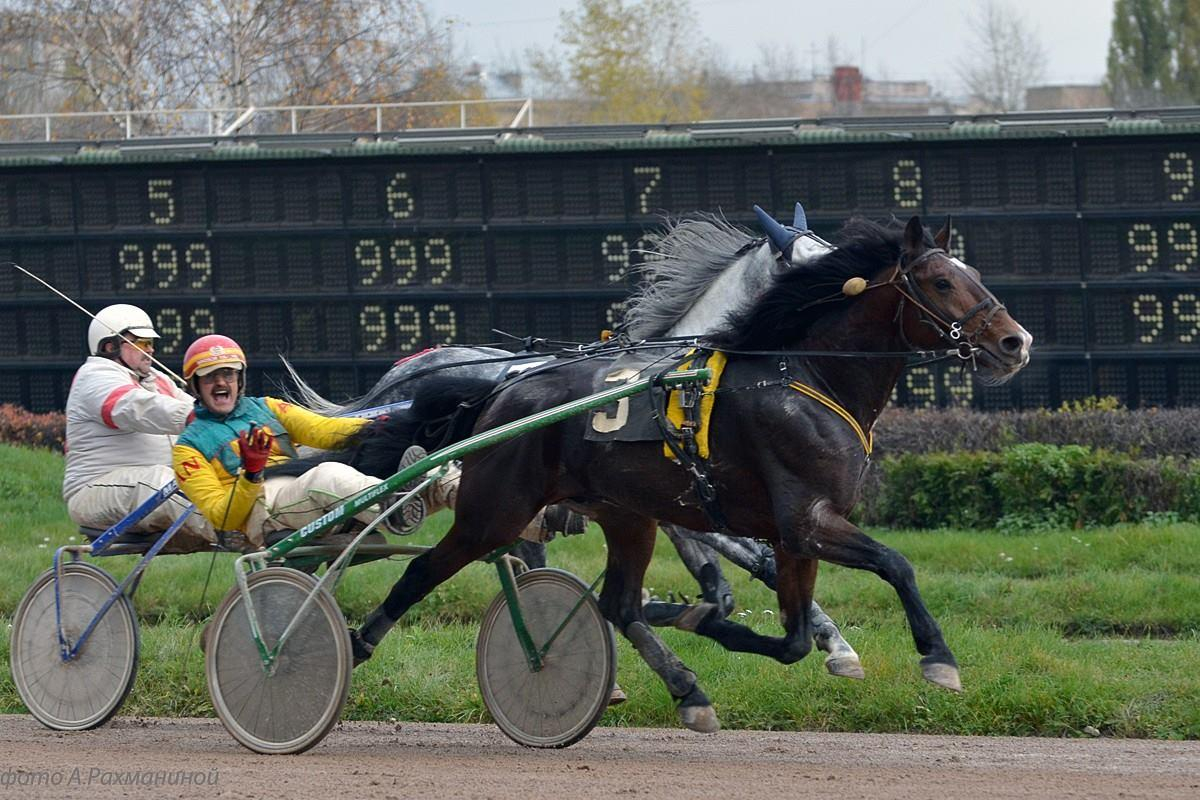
[688, 396]
[965, 351]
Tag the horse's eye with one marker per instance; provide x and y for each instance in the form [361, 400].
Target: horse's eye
[942, 285]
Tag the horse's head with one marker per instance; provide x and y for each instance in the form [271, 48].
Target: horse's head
[945, 302]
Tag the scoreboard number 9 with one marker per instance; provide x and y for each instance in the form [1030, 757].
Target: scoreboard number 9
[408, 327]
[1181, 175]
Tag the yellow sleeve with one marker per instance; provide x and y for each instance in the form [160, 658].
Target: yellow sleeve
[314, 430]
[226, 506]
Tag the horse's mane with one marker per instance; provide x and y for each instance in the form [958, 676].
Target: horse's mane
[798, 298]
[680, 264]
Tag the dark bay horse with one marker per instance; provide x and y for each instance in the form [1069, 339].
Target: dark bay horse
[789, 442]
[689, 285]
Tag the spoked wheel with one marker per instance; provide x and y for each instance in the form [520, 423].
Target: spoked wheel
[559, 704]
[84, 691]
[291, 707]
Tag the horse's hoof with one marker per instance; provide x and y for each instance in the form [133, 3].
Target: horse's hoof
[691, 618]
[701, 719]
[944, 675]
[360, 649]
[845, 667]
[617, 695]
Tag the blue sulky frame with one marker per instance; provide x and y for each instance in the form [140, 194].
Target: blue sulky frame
[100, 546]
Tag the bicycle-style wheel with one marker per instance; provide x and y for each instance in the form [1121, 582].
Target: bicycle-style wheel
[292, 706]
[85, 691]
[560, 703]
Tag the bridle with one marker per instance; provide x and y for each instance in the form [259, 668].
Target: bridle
[951, 330]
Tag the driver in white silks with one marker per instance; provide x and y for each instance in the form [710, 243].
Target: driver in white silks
[122, 419]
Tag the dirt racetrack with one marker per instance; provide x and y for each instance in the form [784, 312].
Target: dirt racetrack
[150, 757]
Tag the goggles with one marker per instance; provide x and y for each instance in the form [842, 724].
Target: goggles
[227, 374]
[145, 345]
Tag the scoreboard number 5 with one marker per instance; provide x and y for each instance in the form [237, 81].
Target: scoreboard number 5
[161, 194]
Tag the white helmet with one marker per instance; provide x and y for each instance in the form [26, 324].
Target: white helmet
[118, 319]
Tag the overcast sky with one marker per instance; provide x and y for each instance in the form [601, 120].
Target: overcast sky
[895, 39]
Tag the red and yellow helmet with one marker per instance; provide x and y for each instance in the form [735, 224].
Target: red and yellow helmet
[212, 352]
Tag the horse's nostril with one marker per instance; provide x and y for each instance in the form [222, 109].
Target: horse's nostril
[1011, 344]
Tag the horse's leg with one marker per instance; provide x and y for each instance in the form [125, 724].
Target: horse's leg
[532, 553]
[824, 533]
[758, 559]
[704, 564]
[479, 528]
[630, 545]
[841, 659]
[794, 588]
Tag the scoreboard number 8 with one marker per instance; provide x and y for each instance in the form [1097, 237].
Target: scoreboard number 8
[906, 183]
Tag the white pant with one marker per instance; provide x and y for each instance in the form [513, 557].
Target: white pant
[111, 497]
[288, 503]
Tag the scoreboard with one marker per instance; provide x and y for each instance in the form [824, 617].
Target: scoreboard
[348, 257]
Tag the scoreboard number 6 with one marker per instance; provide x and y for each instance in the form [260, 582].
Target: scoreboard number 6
[400, 203]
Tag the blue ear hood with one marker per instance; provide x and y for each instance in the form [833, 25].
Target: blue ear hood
[780, 236]
[800, 222]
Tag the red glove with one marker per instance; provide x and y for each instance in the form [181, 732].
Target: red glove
[255, 447]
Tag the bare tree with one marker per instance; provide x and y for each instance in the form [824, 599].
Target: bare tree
[161, 54]
[96, 54]
[778, 63]
[1005, 57]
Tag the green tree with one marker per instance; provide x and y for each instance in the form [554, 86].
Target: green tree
[635, 62]
[1154, 52]
[1185, 22]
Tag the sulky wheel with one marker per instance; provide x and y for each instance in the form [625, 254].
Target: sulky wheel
[290, 708]
[559, 704]
[82, 692]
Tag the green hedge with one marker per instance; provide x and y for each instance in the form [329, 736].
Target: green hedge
[1030, 486]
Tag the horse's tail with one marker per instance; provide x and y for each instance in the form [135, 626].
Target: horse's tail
[306, 396]
[443, 411]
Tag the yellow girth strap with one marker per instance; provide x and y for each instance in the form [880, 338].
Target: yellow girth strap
[716, 363]
[867, 438]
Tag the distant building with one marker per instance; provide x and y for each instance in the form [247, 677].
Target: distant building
[845, 93]
[1053, 98]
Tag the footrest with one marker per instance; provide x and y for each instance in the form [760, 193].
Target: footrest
[92, 534]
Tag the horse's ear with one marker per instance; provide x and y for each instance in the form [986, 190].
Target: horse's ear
[942, 237]
[914, 236]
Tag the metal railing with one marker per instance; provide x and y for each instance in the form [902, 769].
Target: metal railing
[351, 117]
